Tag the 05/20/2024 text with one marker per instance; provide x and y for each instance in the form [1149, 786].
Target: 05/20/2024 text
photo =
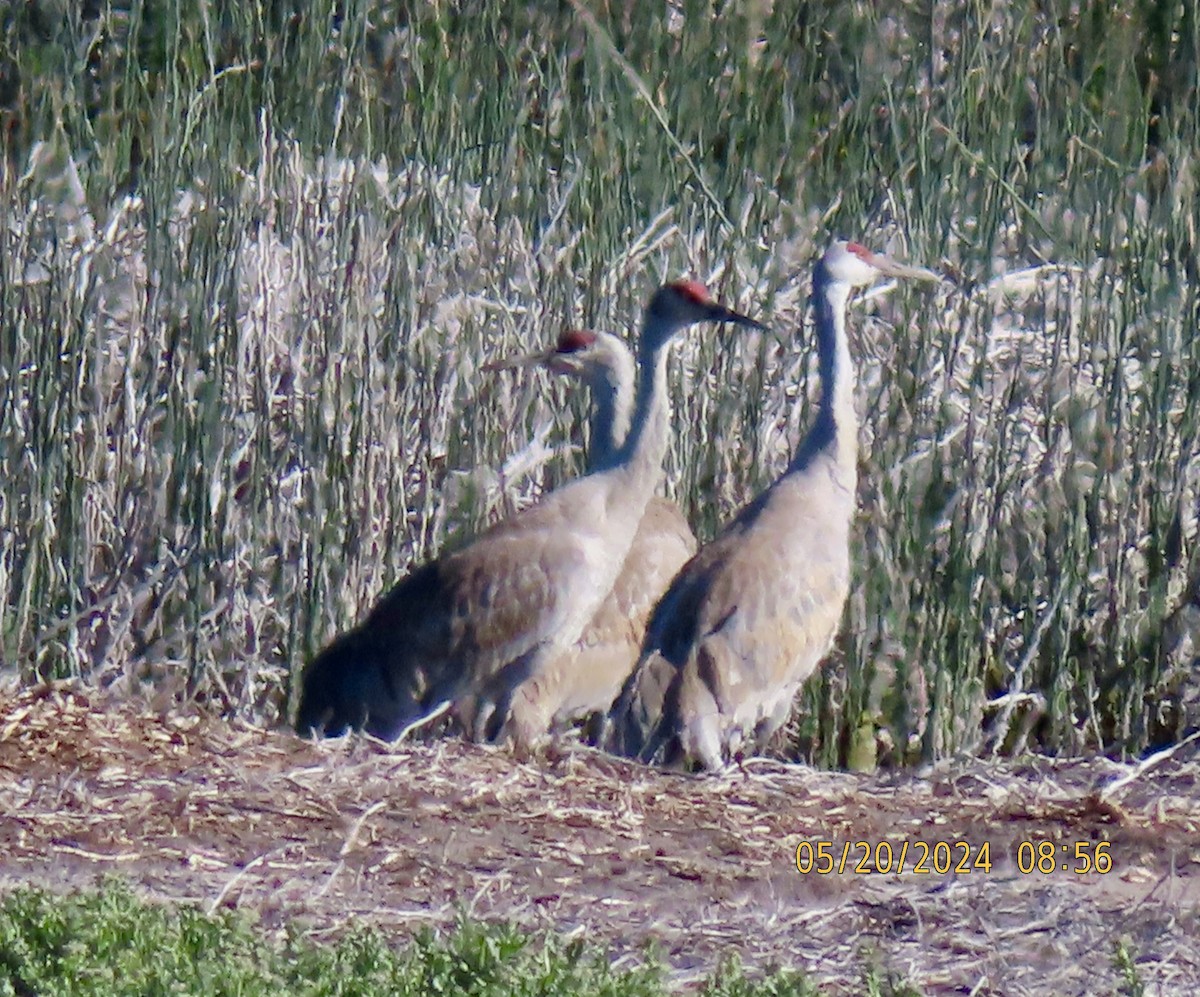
[826, 857]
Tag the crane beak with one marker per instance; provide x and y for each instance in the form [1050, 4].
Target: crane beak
[719, 313]
[892, 268]
[519, 361]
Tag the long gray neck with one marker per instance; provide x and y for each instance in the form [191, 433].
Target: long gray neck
[640, 456]
[612, 409]
[835, 430]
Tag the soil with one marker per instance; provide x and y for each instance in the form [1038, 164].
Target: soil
[580, 844]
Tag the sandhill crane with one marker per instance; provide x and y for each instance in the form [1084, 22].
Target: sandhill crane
[596, 667]
[478, 626]
[749, 618]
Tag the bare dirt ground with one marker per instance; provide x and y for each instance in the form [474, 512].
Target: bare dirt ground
[577, 843]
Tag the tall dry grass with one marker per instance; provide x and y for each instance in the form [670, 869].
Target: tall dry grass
[253, 262]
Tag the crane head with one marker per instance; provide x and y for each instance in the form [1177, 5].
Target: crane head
[686, 302]
[852, 263]
[597, 357]
[575, 351]
[592, 356]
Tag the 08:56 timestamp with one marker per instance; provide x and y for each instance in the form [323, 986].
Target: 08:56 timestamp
[827, 857]
[1078, 857]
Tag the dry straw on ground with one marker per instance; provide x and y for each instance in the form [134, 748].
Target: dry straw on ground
[195, 809]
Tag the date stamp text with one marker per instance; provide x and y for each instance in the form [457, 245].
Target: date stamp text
[940, 858]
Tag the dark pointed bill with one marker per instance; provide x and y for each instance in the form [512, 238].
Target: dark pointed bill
[519, 360]
[892, 268]
[570, 342]
[719, 313]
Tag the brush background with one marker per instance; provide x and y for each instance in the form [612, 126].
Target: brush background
[254, 258]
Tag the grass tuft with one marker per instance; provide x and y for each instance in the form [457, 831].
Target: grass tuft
[107, 941]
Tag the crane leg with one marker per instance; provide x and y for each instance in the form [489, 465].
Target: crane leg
[529, 714]
[483, 713]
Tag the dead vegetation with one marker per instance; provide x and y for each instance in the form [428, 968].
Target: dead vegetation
[191, 808]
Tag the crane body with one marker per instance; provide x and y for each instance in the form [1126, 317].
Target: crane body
[478, 626]
[751, 615]
[587, 679]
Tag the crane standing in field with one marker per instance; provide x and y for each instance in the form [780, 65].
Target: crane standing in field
[480, 625]
[596, 667]
[750, 617]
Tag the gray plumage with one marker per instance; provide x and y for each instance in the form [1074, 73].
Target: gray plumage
[587, 678]
[477, 627]
[749, 618]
